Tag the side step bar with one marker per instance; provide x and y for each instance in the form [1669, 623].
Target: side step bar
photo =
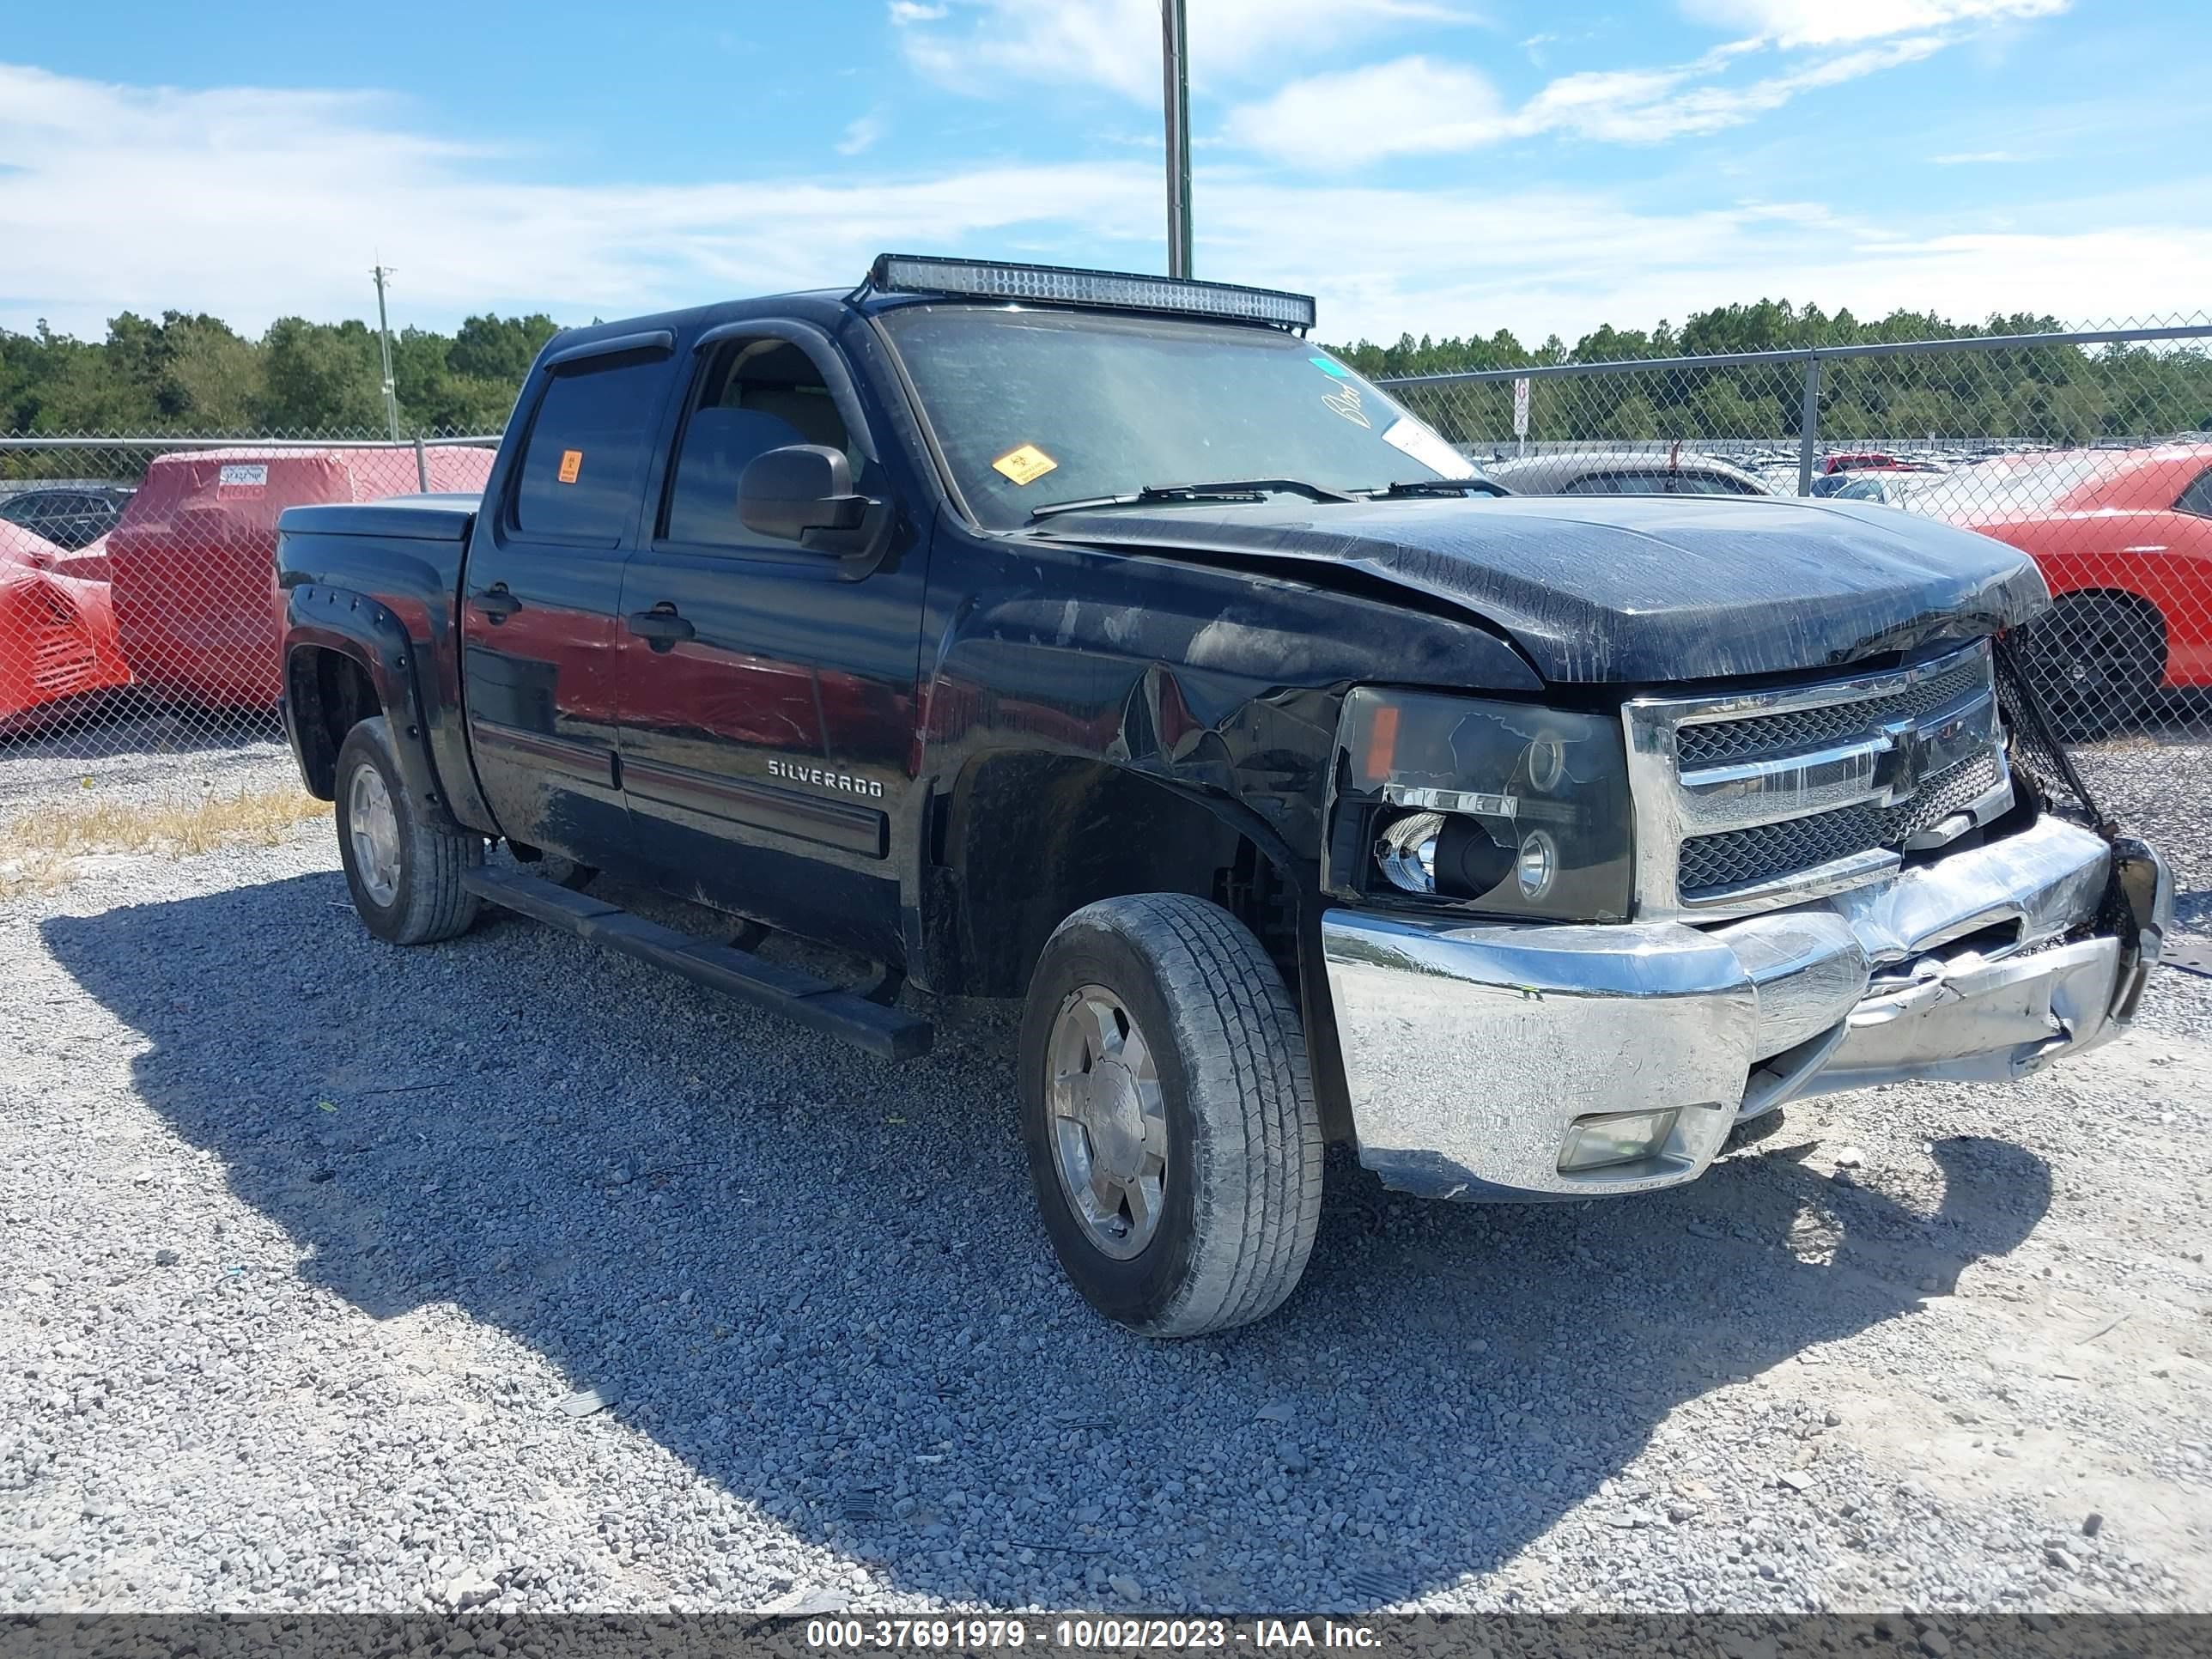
[888, 1033]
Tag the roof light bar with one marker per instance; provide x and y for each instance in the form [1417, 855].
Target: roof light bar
[990, 279]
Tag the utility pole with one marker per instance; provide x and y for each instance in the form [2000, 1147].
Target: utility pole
[384, 338]
[1174, 66]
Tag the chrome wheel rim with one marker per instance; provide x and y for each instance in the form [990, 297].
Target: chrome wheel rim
[1106, 1122]
[373, 825]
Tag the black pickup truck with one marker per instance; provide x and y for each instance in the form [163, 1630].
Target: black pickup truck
[1097, 640]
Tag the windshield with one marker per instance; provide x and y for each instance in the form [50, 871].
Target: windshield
[1035, 407]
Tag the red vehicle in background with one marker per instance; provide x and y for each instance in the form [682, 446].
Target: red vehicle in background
[58, 648]
[194, 557]
[1869, 460]
[2124, 539]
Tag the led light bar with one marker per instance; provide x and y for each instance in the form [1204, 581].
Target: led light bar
[989, 279]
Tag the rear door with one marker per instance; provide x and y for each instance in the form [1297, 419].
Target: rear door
[540, 593]
[767, 690]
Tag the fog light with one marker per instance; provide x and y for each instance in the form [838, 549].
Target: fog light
[1598, 1143]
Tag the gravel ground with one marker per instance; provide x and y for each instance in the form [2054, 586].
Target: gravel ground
[304, 1241]
[146, 756]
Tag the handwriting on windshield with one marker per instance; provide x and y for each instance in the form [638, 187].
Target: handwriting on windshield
[1344, 401]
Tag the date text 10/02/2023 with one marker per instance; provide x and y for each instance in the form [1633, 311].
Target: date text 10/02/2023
[1086, 1634]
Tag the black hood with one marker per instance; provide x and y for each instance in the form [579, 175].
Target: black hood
[1636, 588]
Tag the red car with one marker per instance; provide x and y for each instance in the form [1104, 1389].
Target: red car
[2123, 536]
[57, 643]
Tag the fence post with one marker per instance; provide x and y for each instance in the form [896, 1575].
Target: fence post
[422, 467]
[1809, 424]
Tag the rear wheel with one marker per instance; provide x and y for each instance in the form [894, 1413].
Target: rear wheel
[1174, 1143]
[2098, 659]
[404, 864]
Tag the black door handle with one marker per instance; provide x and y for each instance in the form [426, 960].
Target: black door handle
[660, 627]
[497, 604]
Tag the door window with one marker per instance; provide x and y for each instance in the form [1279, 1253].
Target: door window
[754, 396]
[2198, 498]
[583, 467]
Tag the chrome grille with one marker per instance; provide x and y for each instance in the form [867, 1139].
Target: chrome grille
[1757, 799]
[1809, 728]
[1768, 850]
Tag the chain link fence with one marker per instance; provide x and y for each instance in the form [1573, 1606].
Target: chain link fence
[2089, 450]
[139, 613]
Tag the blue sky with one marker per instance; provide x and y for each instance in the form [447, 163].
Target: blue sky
[1440, 166]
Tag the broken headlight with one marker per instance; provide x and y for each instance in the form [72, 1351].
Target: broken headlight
[1503, 807]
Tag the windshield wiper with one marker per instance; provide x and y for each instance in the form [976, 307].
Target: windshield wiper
[1435, 487]
[1233, 489]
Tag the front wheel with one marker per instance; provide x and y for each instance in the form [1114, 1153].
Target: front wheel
[404, 864]
[1173, 1139]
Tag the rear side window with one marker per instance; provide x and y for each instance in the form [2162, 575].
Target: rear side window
[583, 471]
[2198, 498]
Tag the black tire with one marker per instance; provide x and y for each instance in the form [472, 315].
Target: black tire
[427, 902]
[1241, 1192]
[2099, 659]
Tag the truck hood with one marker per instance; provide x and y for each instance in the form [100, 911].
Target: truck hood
[1629, 588]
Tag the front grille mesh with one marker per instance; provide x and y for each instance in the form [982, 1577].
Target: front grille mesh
[1762, 735]
[1769, 850]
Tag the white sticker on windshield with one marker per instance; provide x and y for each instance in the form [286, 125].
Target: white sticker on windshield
[242, 476]
[1425, 446]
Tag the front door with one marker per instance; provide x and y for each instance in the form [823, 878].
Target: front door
[767, 690]
[540, 599]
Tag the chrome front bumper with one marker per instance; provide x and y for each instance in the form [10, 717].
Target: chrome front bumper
[1470, 1049]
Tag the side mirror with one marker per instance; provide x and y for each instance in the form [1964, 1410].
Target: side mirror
[802, 493]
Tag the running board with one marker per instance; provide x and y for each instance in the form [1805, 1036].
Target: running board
[833, 1010]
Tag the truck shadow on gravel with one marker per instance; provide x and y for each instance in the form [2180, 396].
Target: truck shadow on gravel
[818, 1281]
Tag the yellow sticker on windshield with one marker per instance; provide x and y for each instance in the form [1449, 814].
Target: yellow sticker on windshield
[572, 463]
[1024, 465]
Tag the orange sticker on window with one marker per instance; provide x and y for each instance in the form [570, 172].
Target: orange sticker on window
[1024, 465]
[572, 463]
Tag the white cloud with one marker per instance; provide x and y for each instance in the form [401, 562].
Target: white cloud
[1828, 22]
[1543, 261]
[1325, 122]
[253, 204]
[1115, 44]
[861, 134]
[1968, 158]
[1330, 121]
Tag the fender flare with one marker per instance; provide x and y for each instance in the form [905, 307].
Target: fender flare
[367, 633]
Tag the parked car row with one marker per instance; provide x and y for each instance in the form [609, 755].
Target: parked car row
[176, 591]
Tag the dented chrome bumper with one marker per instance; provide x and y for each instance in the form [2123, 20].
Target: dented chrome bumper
[1472, 1050]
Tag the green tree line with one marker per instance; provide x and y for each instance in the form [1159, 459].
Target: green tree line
[2050, 394]
[195, 374]
[190, 373]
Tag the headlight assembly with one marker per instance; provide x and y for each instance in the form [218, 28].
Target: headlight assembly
[1502, 807]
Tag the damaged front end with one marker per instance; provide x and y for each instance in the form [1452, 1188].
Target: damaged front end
[1895, 877]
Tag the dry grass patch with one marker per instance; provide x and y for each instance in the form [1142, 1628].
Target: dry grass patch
[43, 850]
